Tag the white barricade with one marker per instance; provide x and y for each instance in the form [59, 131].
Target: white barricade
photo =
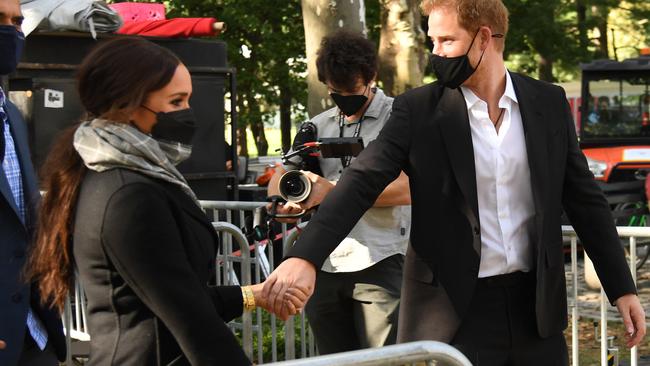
[630, 232]
[254, 269]
[398, 354]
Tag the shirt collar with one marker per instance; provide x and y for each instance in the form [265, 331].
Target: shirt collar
[374, 109]
[471, 99]
[510, 89]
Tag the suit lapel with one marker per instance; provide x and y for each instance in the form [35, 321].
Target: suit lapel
[530, 107]
[451, 116]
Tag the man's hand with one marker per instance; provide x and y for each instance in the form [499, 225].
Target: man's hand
[633, 318]
[291, 275]
[2, 345]
[295, 299]
[288, 208]
[320, 187]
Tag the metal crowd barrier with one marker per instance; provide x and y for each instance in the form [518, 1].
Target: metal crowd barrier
[236, 266]
[630, 232]
[423, 352]
[295, 333]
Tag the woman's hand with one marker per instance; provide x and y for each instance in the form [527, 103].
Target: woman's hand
[294, 300]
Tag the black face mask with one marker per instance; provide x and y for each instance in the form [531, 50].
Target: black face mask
[12, 42]
[349, 104]
[177, 126]
[452, 72]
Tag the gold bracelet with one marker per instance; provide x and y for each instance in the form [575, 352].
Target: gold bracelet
[249, 299]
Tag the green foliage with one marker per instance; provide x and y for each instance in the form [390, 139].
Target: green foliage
[373, 20]
[567, 32]
[267, 339]
[543, 29]
[266, 44]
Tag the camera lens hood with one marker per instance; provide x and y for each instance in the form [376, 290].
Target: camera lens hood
[294, 186]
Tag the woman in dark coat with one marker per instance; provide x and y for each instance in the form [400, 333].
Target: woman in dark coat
[119, 212]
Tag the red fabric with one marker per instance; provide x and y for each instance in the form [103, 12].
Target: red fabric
[177, 27]
[135, 12]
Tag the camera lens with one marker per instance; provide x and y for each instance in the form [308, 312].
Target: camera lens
[294, 186]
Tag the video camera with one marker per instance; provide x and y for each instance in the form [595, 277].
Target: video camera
[294, 186]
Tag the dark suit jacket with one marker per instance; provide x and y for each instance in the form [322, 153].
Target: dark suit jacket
[428, 136]
[15, 238]
[145, 254]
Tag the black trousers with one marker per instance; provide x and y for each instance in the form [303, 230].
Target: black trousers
[500, 328]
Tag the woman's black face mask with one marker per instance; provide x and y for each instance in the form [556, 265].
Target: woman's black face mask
[177, 126]
[350, 104]
[452, 72]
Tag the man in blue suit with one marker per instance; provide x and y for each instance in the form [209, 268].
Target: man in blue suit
[30, 334]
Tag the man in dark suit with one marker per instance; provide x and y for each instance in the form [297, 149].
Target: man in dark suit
[492, 159]
[32, 334]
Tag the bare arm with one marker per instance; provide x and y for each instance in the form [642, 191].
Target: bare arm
[395, 194]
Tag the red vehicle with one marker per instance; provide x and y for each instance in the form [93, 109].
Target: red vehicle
[613, 124]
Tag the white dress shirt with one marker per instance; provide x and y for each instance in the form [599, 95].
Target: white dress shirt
[505, 198]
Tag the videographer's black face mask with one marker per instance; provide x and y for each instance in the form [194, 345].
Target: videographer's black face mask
[12, 42]
[452, 72]
[177, 126]
[350, 104]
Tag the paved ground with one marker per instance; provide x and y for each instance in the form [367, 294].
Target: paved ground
[589, 300]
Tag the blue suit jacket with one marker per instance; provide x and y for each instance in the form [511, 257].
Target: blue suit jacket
[15, 295]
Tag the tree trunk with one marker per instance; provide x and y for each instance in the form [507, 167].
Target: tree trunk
[285, 118]
[583, 39]
[546, 50]
[545, 68]
[601, 13]
[242, 141]
[402, 55]
[322, 17]
[257, 126]
[260, 139]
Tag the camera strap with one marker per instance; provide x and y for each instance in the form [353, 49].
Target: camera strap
[345, 161]
[272, 213]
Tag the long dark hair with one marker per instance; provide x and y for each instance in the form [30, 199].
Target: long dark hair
[113, 80]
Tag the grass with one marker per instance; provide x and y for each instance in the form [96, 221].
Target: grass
[273, 136]
[589, 347]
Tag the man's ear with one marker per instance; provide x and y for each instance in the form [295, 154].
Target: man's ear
[485, 36]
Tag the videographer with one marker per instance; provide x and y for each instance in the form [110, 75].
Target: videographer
[356, 300]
